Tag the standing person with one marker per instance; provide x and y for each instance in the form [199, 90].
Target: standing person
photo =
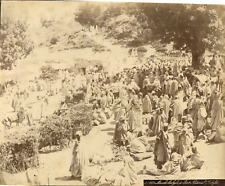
[202, 114]
[103, 100]
[195, 106]
[154, 99]
[186, 86]
[109, 98]
[217, 111]
[135, 113]
[134, 86]
[147, 105]
[29, 115]
[174, 88]
[213, 62]
[123, 108]
[159, 121]
[140, 99]
[183, 145]
[177, 111]
[88, 93]
[80, 158]
[168, 86]
[146, 82]
[176, 134]
[191, 104]
[116, 108]
[20, 115]
[162, 148]
[122, 90]
[166, 106]
[15, 102]
[120, 133]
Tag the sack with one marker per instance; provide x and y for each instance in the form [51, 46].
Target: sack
[141, 156]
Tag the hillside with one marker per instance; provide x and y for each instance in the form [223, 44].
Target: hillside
[62, 42]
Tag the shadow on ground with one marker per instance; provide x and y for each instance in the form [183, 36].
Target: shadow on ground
[108, 129]
[110, 133]
[67, 178]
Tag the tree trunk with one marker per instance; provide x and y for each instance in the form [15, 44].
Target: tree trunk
[197, 57]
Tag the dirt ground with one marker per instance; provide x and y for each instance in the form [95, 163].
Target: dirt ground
[54, 166]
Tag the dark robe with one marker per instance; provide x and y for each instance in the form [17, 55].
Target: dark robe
[120, 134]
[161, 150]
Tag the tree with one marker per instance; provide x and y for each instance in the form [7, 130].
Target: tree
[193, 28]
[49, 73]
[13, 43]
[88, 13]
[118, 19]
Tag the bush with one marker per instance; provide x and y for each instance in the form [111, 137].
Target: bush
[79, 117]
[98, 48]
[55, 129]
[19, 152]
[141, 49]
[52, 130]
[14, 43]
[49, 73]
[53, 41]
[135, 43]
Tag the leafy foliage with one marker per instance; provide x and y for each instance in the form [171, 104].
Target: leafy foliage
[190, 27]
[85, 17]
[193, 28]
[53, 41]
[46, 23]
[14, 43]
[52, 130]
[19, 152]
[119, 20]
[48, 73]
[57, 128]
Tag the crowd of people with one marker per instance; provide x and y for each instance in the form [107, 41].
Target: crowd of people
[163, 106]
[148, 103]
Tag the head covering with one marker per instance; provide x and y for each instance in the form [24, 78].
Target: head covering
[132, 90]
[79, 133]
[165, 125]
[122, 118]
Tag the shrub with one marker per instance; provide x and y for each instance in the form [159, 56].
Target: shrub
[19, 152]
[55, 129]
[141, 49]
[53, 41]
[48, 73]
[80, 117]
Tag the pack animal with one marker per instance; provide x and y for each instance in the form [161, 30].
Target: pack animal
[14, 118]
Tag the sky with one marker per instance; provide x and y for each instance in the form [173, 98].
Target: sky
[32, 11]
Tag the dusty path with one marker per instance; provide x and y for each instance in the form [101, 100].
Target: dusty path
[54, 166]
[57, 164]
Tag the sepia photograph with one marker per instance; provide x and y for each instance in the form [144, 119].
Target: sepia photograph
[112, 93]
